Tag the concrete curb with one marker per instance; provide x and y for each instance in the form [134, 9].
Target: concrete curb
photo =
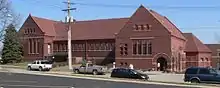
[91, 77]
[141, 81]
[133, 81]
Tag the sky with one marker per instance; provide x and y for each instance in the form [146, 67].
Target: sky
[201, 17]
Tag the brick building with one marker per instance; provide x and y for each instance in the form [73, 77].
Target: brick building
[144, 40]
[215, 48]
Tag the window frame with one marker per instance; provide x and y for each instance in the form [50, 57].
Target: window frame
[207, 70]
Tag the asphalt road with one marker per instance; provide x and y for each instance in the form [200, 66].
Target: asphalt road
[16, 80]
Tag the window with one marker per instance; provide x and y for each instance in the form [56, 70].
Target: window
[59, 47]
[139, 47]
[207, 59]
[92, 46]
[103, 46]
[135, 27]
[30, 30]
[25, 31]
[49, 49]
[142, 47]
[203, 71]
[134, 48]
[38, 62]
[65, 47]
[34, 44]
[121, 63]
[202, 59]
[145, 48]
[97, 46]
[218, 53]
[38, 46]
[30, 46]
[121, 50]
[142, 27]
[149, 48]
[34, 62]
[112, 46]
[148, 26]
[126, 49]
[212, 71]
[107, 46]
[191, 71]
[34, 30]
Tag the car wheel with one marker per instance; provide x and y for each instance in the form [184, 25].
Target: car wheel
[76, 71]
[94, 72]
[40, 69]
[29, 68]
[194, 81]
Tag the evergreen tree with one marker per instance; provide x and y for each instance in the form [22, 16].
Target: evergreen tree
[12, 50]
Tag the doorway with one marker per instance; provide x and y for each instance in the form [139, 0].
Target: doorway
[161, 64]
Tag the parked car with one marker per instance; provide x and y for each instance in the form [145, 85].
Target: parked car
[90, 69]
[201, 74]
[40, 65]
[128, 73]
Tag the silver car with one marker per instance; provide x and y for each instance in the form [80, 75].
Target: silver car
[90, 69]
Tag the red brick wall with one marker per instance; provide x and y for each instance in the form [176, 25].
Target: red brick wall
[137, 63]
[37, 35]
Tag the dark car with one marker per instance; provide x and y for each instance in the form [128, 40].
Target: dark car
[201, 74]
[128, 73]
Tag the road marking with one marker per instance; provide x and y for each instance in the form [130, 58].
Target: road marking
[9, 85]
[19, 81]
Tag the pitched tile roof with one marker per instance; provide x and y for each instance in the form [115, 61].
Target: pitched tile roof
[168, 25]
[97, 29]
[94, 29]
[46, 25]
[213, 48]
[193, 44]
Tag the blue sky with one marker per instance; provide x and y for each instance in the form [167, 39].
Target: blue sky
[201, 17]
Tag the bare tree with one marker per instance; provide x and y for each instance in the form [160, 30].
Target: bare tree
[7, 16]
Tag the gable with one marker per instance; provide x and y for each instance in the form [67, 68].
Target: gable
[193, 44]
[168, 25]
[29, 27]
[46, 25]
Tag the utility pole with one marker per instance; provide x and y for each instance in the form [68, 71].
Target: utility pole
[69, 32]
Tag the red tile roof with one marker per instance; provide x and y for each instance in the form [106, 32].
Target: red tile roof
[214, 48]
[46, 25]
[97, 29]
[168, 25]
[193, 44]
[94, 29]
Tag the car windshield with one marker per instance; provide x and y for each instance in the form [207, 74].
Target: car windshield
[45, 62]
[137, 71]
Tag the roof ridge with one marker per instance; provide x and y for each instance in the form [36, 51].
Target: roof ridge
[163, 20]
[44, 18]
[199, 41]
[151, 12]
[104, 19]
[174, 26]
[194, 41]
[37, 19]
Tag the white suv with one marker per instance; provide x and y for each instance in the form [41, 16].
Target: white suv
[40, 65]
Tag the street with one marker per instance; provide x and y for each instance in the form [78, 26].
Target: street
[18, 80]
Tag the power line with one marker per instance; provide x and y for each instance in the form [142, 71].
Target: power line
[159, 7]
[38, 1]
